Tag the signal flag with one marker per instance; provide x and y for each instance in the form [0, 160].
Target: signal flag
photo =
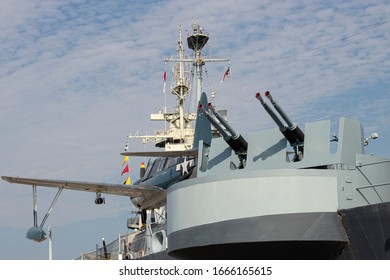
[126, 169]
[125, 159]
[226, 75]
[127, 182]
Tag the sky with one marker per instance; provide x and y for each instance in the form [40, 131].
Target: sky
[77, 77]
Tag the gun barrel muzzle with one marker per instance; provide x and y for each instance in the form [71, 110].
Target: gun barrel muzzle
[292, 132]
[291, 125]
[296, 131]
[281, 126]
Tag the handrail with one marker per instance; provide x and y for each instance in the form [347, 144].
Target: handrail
[372, 186]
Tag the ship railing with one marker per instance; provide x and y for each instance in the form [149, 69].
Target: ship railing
[113, 250]
[373, 186]
[188, 132]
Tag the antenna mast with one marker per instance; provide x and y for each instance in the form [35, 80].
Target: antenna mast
[180, 134]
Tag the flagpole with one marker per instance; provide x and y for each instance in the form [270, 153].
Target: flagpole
[126, 169]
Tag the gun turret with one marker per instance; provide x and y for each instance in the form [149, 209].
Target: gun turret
[233, 139]
[296, 131]
[283, 128]
[237, 138]
[292, 132]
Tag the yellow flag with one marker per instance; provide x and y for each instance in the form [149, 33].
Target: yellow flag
[125, 159]
[127, 182]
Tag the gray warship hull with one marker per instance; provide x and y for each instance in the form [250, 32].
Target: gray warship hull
[367, 237]
[368, 229]
[286, 236]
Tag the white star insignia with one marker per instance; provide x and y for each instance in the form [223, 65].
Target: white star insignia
[184, 166]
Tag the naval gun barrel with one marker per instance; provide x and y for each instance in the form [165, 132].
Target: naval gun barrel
[234, 140]
[283, 128]
[295, 130]
[214, 122]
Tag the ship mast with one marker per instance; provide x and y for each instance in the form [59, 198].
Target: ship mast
[196, 41]
[182, 84]
[180, 134]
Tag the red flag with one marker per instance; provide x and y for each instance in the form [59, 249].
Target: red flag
[165, 75]
[226, 75]
[126, 169]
